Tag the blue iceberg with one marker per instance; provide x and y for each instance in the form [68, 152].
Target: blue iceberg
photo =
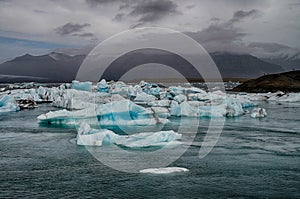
[103, 86]
[8, 104]
[83, 86]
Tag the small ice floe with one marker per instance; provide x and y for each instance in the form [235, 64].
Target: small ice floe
[258, 113]
[164, 170]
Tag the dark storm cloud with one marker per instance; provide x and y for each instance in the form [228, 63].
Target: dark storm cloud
[153, 10]
[223, 36]
[240, 15]
[84, 34]
[217, 33]
[119, 17]
[70, 28]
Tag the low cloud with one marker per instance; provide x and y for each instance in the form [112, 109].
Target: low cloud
[240, 15]
[153, 10]
[225, 36]
[70, 28]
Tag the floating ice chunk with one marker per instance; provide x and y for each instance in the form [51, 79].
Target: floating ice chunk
[233, 108]
[290, 97]
[103, 86]
[84, 86]
[183, 109]
[117, 113]
[127, 113]
[92, 137]
[180, 98]
[64, 117]
[150, 88]
[258, 113]
[161, 112]
[176, 90]
[165, 170]
[7, 104]
[160, 103]
[144, 97]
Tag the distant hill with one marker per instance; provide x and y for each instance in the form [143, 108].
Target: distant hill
[59, 67]
[286, 82]
[53, 67]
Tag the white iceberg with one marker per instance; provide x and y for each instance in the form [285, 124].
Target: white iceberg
[160, 103]
[8, 104]
[165, 170]
[103, 86]
[144, 97]
[92, 137]
[258, 113]
[117, 113]
[84, 86]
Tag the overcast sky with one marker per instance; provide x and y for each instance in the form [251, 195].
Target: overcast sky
[264, 27]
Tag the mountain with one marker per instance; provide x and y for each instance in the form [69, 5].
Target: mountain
[53, 67]
[60, 67]
[243, 66]
[286, 82]
[288, 63]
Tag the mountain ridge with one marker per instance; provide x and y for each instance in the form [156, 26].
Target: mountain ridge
[60, 67]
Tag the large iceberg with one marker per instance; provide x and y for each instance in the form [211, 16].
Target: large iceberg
[92, 137]
[7, 104]
[117, 113]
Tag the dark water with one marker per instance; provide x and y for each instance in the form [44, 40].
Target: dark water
[253, 158]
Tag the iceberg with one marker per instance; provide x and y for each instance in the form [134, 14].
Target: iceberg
[103, 86]
[165, 170]
[92, 137]
[150, 88]
[117, 113]
[160, 103]
[144, 97]
[258, 113]
[8, 104]
[233, 108]
[83, 86]
[180, 98]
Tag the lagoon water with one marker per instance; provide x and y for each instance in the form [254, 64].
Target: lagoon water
[253, 158]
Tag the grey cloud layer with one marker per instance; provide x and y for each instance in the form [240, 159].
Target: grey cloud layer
[153, 10]
[218, 25]
[70, 28]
